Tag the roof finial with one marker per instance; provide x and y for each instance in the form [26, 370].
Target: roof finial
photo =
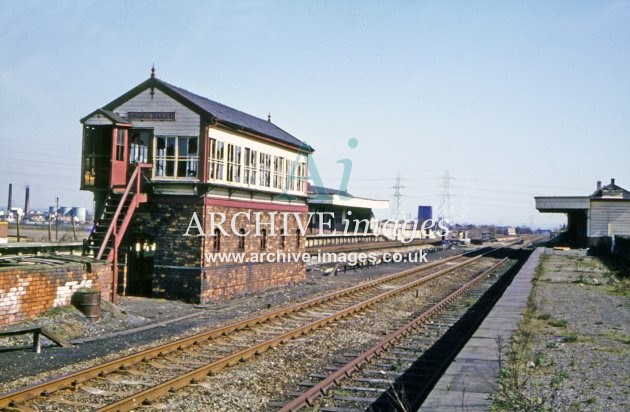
[269, 117]
[153, 71]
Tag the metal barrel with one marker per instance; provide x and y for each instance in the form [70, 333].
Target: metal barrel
[89, 303]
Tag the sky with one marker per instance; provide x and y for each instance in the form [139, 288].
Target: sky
[513, 99]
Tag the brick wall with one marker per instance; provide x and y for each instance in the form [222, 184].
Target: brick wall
[180, 268]
[226, 280]
[166, 220]
[177, 258]
[27, 291]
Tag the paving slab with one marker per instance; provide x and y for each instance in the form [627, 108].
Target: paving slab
[472, 377]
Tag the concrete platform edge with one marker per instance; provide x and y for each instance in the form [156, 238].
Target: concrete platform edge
[472, 377]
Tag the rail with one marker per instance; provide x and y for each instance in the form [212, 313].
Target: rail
[321, 388]
[146, 396]
[18, 396]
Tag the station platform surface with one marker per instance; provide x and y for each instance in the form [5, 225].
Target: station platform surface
[472, 377]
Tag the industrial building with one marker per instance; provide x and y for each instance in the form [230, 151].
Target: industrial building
[591, 219]
[159, 155]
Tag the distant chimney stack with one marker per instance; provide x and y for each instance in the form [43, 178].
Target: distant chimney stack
[26, 201]
[599, 185]
[612, 181]
[10, 196]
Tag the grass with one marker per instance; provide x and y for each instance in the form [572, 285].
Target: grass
[469, 302]
[615, 351]
[619, 337]
[540, 269]
[397, 365]
[530, 379]
[60, 310]
[521, 386]
[620, 288]
[557, 323]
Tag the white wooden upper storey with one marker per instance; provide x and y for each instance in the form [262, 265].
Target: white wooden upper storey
[237, 155]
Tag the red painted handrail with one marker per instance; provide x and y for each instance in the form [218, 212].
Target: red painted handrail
[135, 179]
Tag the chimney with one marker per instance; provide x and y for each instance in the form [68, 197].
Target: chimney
[599, 185]
[612, 181]
[10, 196]
[26, 202]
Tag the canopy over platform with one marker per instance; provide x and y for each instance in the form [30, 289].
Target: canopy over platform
[604, 213]
[327, 196]
[561, 204]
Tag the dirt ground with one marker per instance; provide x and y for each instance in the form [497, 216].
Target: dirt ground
[572, 350]
[39, 233]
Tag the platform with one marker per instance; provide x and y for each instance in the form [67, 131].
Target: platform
[472, 377]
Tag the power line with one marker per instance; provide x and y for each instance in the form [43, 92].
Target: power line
[446, 209]
[398, 213]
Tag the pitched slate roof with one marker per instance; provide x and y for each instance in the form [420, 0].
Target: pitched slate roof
[219, 112]
[237, 118]
[611, 190]
[114, 117]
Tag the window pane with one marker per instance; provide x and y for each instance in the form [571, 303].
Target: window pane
[170, 169]
[181, 168]
[182, 146]
[192, 145]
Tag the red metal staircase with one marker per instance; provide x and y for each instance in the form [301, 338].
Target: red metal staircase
[110, 228]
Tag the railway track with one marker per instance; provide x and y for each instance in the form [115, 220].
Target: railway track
[349, 247]
[398, 371]
[125, 383]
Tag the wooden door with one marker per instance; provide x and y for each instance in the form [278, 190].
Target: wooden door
[120, 154]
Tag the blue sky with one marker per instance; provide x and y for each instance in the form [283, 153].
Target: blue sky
[514, 99]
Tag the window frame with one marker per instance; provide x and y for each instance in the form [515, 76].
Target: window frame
[241, 240]
[263, 239]
[246, 164]
[233, 163]
[161, 161]
[120, 145]
[216, 159]
[216, 241]
[250, 166]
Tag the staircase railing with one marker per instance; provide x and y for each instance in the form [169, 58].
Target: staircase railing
[138, 197]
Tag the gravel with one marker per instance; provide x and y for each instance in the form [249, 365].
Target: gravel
[582, 341]
[20, 366]
[274, 376]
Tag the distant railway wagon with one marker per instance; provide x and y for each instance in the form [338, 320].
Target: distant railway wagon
[479, 237]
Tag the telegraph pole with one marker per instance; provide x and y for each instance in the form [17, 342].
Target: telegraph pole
[57, 221]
